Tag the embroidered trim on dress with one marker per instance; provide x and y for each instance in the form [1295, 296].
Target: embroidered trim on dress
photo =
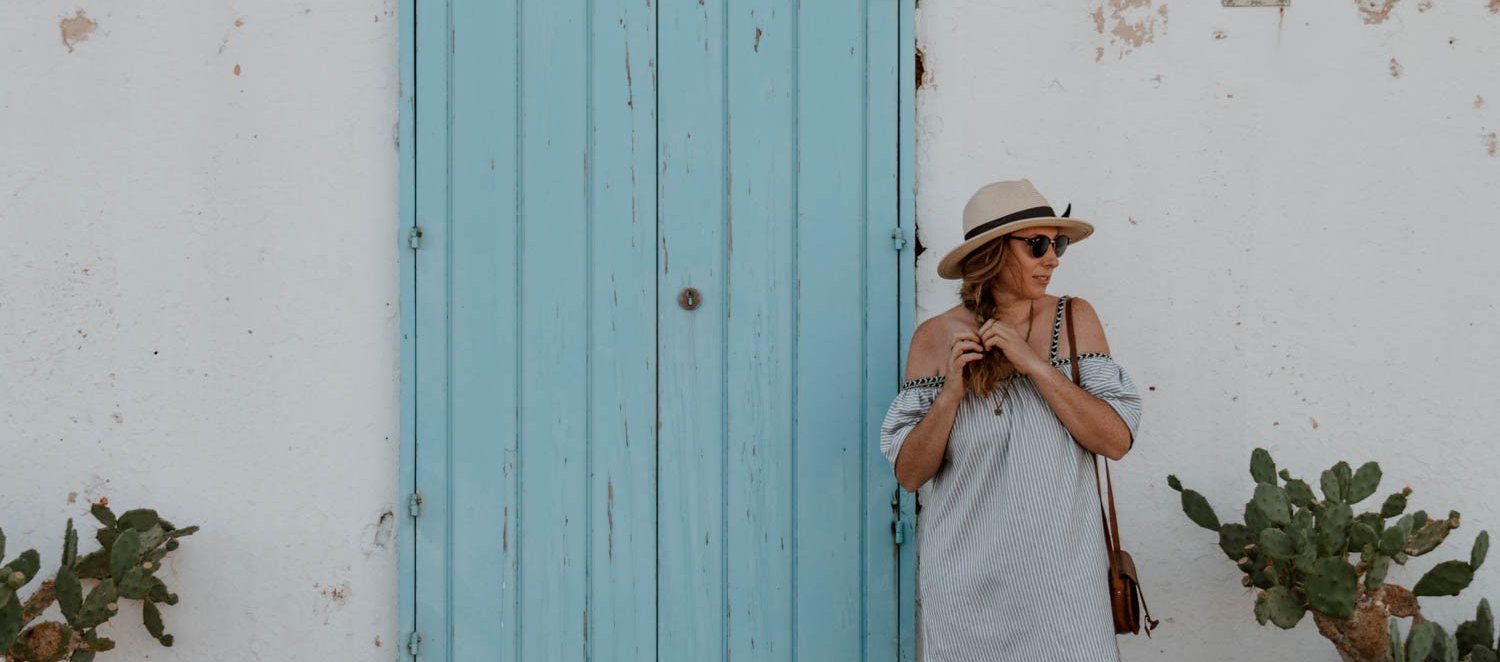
[937, 380]
[1057, 321]
[1080, 357]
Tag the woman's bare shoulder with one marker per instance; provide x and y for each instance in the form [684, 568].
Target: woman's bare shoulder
[1089, 329]
[931, 340]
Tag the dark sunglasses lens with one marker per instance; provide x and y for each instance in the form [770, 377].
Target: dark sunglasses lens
[1062, 244]
[1038, 244]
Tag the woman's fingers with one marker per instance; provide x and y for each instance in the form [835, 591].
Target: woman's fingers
[959, 339]
[989, 335]
[964, 355]
[966, 348]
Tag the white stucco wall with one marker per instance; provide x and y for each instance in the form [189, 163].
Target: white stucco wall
[198, 292]
[1292, 251]
[199, 308]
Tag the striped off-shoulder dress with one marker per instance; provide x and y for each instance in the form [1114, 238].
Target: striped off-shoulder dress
[1011, 557]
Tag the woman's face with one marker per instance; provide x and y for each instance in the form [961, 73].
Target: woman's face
[1025, 275]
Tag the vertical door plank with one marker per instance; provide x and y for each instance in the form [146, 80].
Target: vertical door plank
[622, 342]
[882, 326]
[830, 451]
[482, 368]
[762, 218]
[555, 370]
[691, 342]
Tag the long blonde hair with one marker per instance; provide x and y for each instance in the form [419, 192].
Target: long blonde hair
[982, 271]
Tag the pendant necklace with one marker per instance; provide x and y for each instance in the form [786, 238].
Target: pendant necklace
[1005, 386]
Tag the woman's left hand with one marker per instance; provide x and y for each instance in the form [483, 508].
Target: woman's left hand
[1012, 346]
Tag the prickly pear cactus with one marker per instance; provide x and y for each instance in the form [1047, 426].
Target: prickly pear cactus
[1306, 554]
[132, 547]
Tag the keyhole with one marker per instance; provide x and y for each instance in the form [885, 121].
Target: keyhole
[689, 298]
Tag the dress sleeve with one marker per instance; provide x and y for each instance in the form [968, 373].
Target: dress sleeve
[912, 401]
[1106, 380]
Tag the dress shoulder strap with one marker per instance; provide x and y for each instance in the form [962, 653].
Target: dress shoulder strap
[1057, 323]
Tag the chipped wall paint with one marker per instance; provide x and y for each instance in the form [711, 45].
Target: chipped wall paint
[1128, 25]
[1293, 250]
[75, 29]
[1375, 11]
[198, 308]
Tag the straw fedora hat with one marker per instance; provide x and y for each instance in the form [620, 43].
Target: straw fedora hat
[1001, 208]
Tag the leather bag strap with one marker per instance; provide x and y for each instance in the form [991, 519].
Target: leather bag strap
[1114, 520]
[1111, 542]
[1151, 623]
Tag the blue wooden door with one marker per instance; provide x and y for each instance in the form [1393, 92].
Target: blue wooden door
[656, 319]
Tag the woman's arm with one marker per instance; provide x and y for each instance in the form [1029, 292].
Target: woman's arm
[922, 454]
[934, 350]
[1092, 422]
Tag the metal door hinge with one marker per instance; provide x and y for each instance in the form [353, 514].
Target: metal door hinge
[414, 643]
[898, 238]
[414, 504]
[898, 524]
[414, 237]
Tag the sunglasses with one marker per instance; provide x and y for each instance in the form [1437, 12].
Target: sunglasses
[1040, 242]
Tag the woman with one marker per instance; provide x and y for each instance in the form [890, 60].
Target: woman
[991, 428]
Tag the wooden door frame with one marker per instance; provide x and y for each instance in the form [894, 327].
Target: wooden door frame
[906, 307]
[406, 543]
[407, 238]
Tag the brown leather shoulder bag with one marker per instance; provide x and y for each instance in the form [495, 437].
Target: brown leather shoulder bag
[1125, 598]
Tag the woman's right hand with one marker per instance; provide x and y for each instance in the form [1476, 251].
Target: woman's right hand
[963, 350]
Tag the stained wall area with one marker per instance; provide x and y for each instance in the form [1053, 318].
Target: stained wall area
[1295, 215]
[199, 308]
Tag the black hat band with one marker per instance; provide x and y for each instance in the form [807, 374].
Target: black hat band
[1044, 211]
